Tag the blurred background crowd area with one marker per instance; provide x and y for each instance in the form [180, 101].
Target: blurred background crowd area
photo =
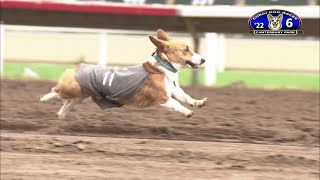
[210, 2]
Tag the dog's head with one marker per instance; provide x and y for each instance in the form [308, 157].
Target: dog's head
[275, 22]
[178, 53]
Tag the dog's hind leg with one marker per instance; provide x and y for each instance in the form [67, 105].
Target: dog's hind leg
[49, 96]
[67, 106]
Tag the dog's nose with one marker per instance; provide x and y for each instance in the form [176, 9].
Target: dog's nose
[202, 60]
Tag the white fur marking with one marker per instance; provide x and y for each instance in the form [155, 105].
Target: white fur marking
[68, 105]
[48, 96]
[180, 95]
[176, 106]
[196, 59]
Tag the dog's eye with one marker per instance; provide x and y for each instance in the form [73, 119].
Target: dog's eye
[186, 49]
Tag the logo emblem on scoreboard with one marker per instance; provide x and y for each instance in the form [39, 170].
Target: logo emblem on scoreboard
[275, 22]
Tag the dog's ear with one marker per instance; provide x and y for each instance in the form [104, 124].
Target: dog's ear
[270, 17]
[160, 44]
[279, 17]
[161, 34]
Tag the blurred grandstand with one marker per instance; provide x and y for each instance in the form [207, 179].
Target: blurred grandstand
[209, 2]
[100, 31]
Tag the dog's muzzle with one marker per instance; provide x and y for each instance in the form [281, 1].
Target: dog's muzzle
[195, 66]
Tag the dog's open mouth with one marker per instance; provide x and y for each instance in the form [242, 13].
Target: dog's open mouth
[194, 66]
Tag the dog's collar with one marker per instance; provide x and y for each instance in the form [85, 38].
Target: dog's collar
[164, 63]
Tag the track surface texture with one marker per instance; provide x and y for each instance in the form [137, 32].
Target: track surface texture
[241, 134]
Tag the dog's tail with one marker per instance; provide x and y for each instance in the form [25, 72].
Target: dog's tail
[79, 61]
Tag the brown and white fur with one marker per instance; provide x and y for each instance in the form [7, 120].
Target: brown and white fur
[161, 87]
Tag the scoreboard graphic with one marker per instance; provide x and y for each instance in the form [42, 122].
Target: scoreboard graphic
[275, 22]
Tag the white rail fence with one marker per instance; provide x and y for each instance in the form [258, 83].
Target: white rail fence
[2, 40]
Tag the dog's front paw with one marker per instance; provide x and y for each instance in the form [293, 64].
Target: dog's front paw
[188, 114]
[200, 103]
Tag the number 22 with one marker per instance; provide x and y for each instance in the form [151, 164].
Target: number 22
[259, 25]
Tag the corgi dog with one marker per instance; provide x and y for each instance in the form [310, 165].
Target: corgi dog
[275, 23]
[154, 82]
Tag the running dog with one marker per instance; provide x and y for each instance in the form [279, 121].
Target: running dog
[154, 82]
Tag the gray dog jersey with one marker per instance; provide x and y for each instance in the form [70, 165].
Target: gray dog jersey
[109, 86]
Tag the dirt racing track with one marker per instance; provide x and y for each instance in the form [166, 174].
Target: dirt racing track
[241, 134]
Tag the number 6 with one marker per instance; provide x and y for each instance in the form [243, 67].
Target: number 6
[289, 23]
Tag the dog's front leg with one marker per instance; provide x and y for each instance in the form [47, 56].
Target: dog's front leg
[176, 106]
[180, 95]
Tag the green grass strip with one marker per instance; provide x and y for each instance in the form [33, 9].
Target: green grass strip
[245, 78]
[45, 71]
